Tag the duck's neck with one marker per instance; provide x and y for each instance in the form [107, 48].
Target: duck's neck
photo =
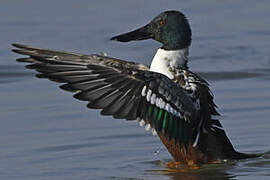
[166, 61]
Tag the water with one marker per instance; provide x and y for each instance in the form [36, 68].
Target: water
[46, 134]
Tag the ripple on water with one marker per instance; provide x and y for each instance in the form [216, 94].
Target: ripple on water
[13, 73]
[45, 134]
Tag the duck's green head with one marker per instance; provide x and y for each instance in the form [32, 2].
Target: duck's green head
[171, 28]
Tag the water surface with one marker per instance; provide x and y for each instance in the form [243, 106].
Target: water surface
[46, 134]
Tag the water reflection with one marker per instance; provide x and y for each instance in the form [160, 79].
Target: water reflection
[213, 174]
[206, 172]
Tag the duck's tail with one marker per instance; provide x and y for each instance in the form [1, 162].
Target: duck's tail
[217, 144]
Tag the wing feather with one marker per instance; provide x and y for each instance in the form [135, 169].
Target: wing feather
[125, 90]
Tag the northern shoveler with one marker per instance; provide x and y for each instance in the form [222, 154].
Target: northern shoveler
[175, 103]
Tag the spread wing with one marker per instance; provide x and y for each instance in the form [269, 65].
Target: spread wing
[125, 90]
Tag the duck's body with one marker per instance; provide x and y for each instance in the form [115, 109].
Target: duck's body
[167, 98]
[207, 131]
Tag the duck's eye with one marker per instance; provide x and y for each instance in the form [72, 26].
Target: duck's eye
[161, 22]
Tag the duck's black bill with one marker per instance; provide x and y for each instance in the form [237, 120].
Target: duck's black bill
[136, 35]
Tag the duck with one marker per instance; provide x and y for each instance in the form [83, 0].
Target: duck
[166, 98]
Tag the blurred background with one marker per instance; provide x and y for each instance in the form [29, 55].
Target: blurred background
[46, 134]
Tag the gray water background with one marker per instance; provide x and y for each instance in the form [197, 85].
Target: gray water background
[46, 134]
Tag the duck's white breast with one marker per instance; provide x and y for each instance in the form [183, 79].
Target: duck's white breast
[165, 61]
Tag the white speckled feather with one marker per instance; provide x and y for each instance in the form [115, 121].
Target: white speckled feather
[165, 59]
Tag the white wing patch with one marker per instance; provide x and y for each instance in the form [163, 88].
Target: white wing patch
[148, 96]
[147, 126]
[159, 102]
[143, 91]
[218, 127]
